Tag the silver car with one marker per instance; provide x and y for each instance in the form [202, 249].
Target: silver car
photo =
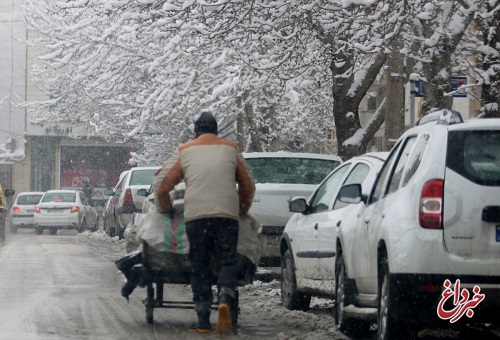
[22, 212]
[64, 209]
[279, 177]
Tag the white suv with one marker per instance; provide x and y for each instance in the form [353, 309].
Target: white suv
[426, 244]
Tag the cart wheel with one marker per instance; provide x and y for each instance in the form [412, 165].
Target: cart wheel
[150, 300]
[149, 315]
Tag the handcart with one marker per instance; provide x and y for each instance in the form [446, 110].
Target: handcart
[169, 268]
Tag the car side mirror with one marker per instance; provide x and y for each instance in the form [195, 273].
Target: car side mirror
[142, 192]
[9, 192]
[352, 194]
[109, 192]
[298, 205]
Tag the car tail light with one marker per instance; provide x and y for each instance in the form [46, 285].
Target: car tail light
[16, 209]
[127, 198]
[37, 208]
[431, 204]
[75, 208]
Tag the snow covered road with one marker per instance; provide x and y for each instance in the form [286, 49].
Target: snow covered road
[66, 286]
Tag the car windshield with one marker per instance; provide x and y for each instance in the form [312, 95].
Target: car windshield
[290, 170]
[142, 177]
[59, 197]
[29, 199]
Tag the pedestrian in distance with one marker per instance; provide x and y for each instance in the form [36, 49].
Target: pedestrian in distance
[219, 188]
[88, 191]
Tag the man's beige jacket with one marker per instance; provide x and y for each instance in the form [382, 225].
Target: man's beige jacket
[218, 181]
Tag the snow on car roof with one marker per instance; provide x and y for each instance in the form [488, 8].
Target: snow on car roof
[278, 154]
[382, 155]
[31, 193]
[62, 190]
[477, 123]
[144, 168]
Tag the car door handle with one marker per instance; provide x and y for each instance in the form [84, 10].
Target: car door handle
[316, 226]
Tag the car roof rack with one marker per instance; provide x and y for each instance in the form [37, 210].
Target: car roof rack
[442, 117]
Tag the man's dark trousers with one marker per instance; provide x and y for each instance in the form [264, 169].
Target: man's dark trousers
[214, 238]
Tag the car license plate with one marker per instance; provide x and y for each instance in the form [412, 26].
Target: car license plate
[52, 211]
[273, 240]
[30, 211]
[498, 233]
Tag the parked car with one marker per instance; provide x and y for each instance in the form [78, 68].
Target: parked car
[64, 209]
[110, 219]
[280, 176]
[4, 209]
[307, 246]
[128, 200]
[433, 215]
[22, 212]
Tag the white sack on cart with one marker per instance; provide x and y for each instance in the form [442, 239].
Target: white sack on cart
[154, 226]
[151, 229]
[248, 241]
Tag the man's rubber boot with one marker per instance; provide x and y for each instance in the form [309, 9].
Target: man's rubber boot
[225, 323]
[203, 312]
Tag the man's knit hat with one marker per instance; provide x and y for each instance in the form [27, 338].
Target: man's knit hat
[205, 123]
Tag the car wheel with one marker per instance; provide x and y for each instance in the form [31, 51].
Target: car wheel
[290, 297]
[120, 232]
[52, 230]
[82, 226]
[96, 226]
[2, 230]
[388, 327]
[39, 230]
[344, 296]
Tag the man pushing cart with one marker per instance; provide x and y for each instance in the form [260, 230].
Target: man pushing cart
[219, 192]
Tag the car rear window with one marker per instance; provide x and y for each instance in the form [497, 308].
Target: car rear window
[59, 197]
[28, 199]
[142, 177]
[475, 155]
[290, 170]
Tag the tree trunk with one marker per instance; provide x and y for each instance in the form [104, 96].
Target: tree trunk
[394, 112]
[345, 105]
